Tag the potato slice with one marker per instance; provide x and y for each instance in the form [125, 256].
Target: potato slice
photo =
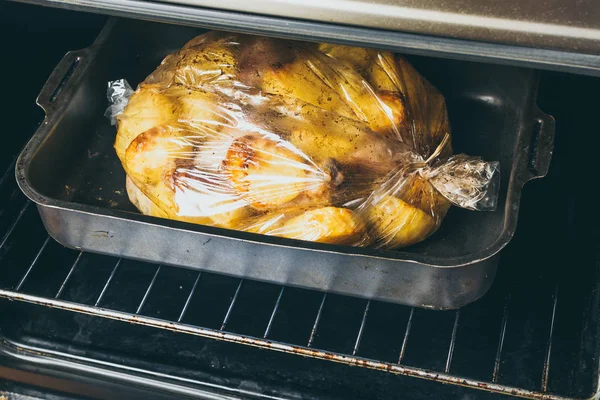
[394, 223]
[331, 225]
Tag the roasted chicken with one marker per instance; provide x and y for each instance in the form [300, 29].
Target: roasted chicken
[318, 142]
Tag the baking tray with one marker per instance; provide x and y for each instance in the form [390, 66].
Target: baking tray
[70, 170]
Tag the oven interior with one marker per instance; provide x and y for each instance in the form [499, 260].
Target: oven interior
[102, 324]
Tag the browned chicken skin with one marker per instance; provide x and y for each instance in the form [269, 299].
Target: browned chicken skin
[314, 142]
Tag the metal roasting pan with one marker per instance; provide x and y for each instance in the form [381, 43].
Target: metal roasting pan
[70, 170]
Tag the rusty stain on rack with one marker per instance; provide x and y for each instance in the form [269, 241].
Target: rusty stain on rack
[277, 346]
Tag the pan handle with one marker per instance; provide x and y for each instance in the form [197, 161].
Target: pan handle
[57, 88]
[541, 145]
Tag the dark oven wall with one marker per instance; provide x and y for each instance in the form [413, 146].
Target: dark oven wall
[536, 330]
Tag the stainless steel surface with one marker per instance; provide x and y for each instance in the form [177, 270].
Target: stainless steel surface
[557, 24]
[86, 207]
[562, 55]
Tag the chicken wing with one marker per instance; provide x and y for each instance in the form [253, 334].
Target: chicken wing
[147, 108]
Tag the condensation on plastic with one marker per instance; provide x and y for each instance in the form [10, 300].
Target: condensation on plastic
[317, 142]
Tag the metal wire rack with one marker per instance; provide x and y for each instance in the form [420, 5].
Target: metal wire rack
[476, 347]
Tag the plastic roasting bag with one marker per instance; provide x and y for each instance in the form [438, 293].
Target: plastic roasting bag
[318, 142]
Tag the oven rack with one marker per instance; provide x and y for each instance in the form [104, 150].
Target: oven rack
[50, 274]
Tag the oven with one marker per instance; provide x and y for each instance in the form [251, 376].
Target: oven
[78, 324]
